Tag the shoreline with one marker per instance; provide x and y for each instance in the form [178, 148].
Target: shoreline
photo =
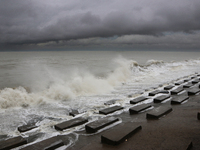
[176, 129]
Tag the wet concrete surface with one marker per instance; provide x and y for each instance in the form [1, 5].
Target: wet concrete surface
[174, 131]
[177, 130]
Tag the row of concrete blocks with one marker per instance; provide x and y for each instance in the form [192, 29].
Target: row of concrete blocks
[110, 136]
[114, 136]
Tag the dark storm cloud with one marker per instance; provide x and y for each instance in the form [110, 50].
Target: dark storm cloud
[61, 21]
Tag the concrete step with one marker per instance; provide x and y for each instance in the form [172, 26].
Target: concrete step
[169, 87]
[74, 112]
[158, 112]
[198, 115]
[179, 83]
[193, 91]
[139, 108]
[193, 77]
[186, 80]
[179, 99]
[160, 98]
[99, 124]
[138, 99]
[110, 102]
[153, 93]
[12, 143]
[195, 81]
[119, 133]
[177, 90]
[110, 110]
[27, 127]
[48, 144]
[70, 123]
[188, 85]
[164, 92]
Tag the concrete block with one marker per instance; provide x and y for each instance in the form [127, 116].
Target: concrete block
[198, 115]
[48, 144]
[135, 94]
[110, 102]
[158, 112]
[193, 91]
[70, 123]
[110, 110]
[179, 99]
[119, 133]
[160, 98]
[195, 81]
[193, 77]
[169, 87]
[138, 99]
[179, 83]
[73, 112]
[27, 127]
[186, 80]
[190, 146]
[12, 143]
[137, 109]
[177, 90]
[164, 92]
[153, 93]
[188, 85]
[99, 124]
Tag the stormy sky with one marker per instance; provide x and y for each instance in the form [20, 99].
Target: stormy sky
[102, 24]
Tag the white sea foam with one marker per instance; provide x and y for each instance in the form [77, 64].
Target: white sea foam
[60, 85]
[82, 82]
[154, 62]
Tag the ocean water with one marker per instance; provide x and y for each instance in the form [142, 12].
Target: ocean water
[44, 87]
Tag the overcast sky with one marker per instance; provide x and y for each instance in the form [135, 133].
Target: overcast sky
[102, 24]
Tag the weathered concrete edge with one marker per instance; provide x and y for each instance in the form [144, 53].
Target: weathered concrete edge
[157, 100]
[151, 116]
[109, 112]
[72, 125]
[132, 111]
[27, 127]
[93, 130]
[174, 102]
[13, 143]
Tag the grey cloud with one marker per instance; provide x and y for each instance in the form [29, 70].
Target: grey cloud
[34, 21]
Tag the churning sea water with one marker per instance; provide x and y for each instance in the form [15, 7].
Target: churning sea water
[46, 86]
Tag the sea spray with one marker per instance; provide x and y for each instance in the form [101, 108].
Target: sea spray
[86, 84]
[10, 97]
[79, 83]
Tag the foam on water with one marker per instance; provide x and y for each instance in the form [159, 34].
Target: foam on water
[84, 83]
[79, 84]
[83, 90]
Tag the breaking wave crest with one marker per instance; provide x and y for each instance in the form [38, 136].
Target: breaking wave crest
[80, 83]
[154, 62]
[84, 83]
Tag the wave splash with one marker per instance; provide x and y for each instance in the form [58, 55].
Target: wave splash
[80, 83]
[84, 83]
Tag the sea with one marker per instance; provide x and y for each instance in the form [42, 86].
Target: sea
[42, 87]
